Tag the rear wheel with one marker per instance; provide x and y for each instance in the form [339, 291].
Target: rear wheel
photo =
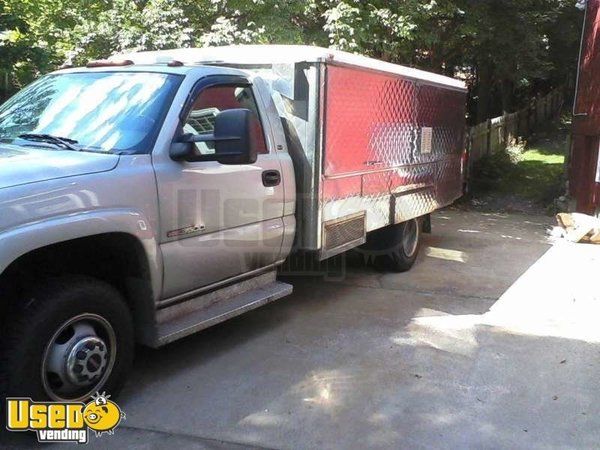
[402, 257]
[395, 247]
[73, 337]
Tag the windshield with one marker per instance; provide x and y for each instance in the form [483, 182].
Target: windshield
[117, 112]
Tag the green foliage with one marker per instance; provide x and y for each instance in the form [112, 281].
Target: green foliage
[130, 25]
[505, 49]
[489, 171]
[536, 173]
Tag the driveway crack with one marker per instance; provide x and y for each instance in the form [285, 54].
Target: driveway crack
[222, 442]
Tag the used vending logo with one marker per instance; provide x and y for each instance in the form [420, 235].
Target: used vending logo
[64, 421]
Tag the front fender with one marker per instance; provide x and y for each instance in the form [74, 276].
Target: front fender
[18, 241]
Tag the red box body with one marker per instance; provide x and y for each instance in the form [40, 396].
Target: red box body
[373, 126]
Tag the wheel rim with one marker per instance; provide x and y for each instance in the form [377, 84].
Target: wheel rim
[79, 358]
[410, 237]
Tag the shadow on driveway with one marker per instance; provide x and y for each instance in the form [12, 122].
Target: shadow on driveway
[446, 356]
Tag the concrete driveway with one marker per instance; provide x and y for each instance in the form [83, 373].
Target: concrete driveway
[491, 341]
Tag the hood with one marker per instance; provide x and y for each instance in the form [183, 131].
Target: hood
[23, 165]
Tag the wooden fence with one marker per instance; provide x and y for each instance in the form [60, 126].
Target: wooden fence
[499, 133]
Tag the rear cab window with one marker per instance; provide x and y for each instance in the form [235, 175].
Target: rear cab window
[214, 99]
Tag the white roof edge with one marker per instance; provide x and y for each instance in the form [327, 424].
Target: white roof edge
[281, 54]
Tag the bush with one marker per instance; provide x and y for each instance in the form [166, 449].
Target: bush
[489, 170]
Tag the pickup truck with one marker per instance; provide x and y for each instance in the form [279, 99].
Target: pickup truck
[151, 195]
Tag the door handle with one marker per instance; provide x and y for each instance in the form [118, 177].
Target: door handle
[271, 178]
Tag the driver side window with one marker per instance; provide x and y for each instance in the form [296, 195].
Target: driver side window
[210, 102]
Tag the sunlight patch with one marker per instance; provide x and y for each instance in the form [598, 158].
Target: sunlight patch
[447, 254]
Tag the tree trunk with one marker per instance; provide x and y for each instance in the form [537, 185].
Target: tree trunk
[507, 96]
[484, 91]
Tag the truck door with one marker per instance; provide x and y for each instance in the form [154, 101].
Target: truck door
[218, 221]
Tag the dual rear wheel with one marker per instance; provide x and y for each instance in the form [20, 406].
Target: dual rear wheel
[394, 248]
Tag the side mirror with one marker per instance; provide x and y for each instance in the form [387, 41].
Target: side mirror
[233, 136]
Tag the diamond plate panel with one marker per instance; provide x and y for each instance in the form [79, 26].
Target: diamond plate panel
[444, 111]
[448, 184]
[369, 121]
[372, 157]
[414, 205]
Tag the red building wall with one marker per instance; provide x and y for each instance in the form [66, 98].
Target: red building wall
[586, 122]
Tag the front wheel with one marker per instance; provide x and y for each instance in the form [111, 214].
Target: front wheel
[73, 337]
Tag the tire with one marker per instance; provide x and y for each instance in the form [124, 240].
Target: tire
[73, 336]
[394, 248]
[403, 257]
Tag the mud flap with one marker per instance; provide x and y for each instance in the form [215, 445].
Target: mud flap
[426, 224]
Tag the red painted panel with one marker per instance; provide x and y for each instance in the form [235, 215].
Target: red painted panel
[444, 110]
[373, 126]
[376, 183]
[341, 188]
[368, 120]
[440, 107]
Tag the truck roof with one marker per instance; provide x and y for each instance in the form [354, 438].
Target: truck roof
[257, 55]
[156, 67]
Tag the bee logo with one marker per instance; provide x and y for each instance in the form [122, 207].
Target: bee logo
[102, 415]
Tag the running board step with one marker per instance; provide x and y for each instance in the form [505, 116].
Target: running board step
[175, 322]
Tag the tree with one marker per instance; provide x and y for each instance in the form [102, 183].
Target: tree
[507, 50]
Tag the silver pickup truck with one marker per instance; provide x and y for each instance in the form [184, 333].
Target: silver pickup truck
[152, 195]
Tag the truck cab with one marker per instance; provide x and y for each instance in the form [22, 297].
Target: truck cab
[164, 187]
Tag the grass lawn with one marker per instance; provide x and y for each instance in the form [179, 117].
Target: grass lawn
[538, 175]
[535, 174]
